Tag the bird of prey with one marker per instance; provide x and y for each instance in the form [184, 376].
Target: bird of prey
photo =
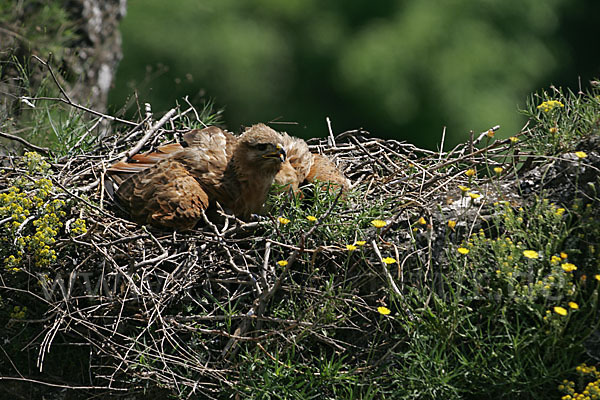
[170, 188]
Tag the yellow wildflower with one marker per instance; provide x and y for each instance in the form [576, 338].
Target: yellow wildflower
[490, 133]
[549, 105]
[384, 310]
[350, 247]
[463, 188]
[422, 221]
[474, 196]
[388, 260]
[560, 211]
[360, 242]
[568, 267]
[463, 250]
[514, 139]
[554, 129]
[283, 220]
[563, 255]
[377, 223]
[451, 224]
[530, 254]
[573, 305]
[311, 218]
[282, 263]
[560, 311]
[597, 277]
[498, 170]
[555, 259]
[581, 154]
[470, 172]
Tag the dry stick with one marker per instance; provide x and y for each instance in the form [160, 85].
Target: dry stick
[148, 134]
[387, 274]
[442, 144]
[195, 111]
[134, 131]
[43, 150]
[67, 100]
[56, 385]
[87, 132]
[362, 147]
[101, 211]
[331, 138]
[461, 158]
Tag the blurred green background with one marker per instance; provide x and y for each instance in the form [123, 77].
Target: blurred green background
[400, 69]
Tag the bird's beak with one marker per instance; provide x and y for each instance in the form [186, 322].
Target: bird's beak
[280, 154]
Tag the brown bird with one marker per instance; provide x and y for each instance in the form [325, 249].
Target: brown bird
[173, 186]
[303, 166]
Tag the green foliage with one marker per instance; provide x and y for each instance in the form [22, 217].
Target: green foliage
[42, 26]
[402, 69]
[562, 118]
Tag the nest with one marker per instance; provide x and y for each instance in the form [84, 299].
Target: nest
[182, 311]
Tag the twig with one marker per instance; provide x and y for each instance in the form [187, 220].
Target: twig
[331, 138]
[148, 134]
[44, 150]
[67, 100]
[386, 272]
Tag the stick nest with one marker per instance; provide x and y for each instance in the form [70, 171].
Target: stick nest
[186, 311]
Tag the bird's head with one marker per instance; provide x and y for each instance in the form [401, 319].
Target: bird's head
[261, 146]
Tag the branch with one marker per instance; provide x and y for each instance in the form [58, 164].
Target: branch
[44, 150]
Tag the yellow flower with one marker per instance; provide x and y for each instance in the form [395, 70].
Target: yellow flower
[463, 250]
[514, 139]
[422, 221]
[377, 223]
[563, 255]
[573, 305]
[474, 195]
[560, 211]
[555, 259]
[597, 277]
[388, 260]
[360, 242]
[463, 188]
[282, 263]
[470, 172]
[554, 129]
[350, 247]
[550, 105]
[568, 267]
[560, 311]
[490, 133]
[383, 310]
[581, 154]
[451, 224]
[530, 254]
[498, 170]
[283, 220]
[311, 218]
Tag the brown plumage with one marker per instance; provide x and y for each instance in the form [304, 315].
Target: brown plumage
[173, 186]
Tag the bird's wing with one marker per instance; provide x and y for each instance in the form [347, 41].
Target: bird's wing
[172, 186]
[121, 170]
[324, 170]
[302, 165]
[165, 195]
[207, 159]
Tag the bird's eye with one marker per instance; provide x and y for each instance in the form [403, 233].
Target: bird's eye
[261, 146]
